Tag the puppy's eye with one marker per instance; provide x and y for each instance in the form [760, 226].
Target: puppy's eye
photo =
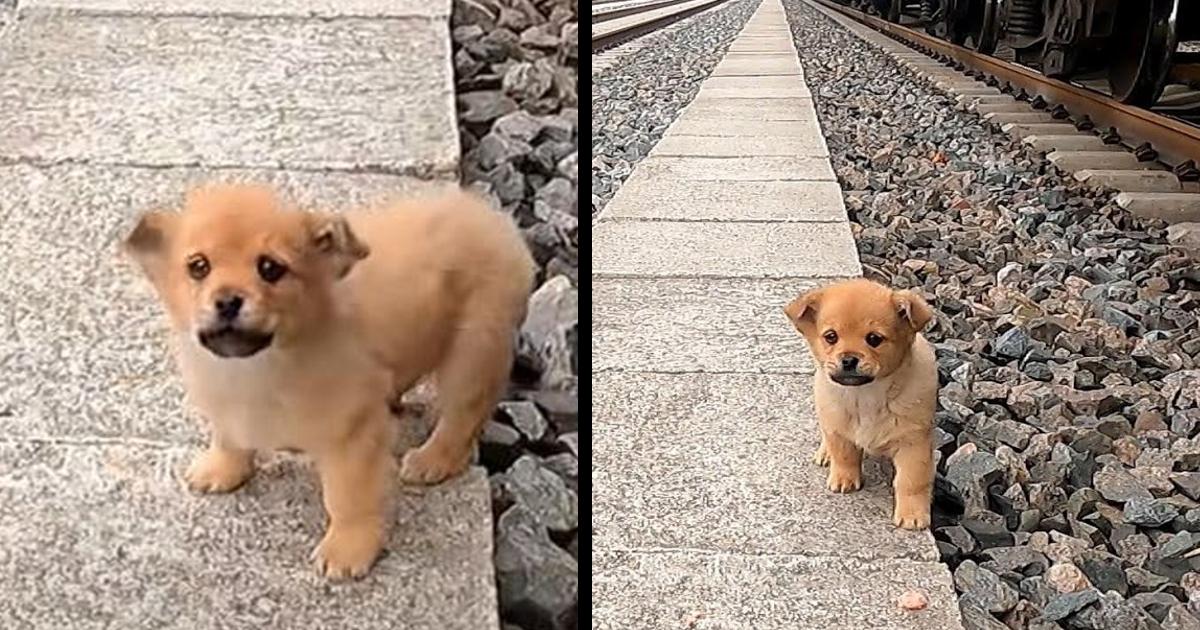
[270, 269]
[874, 340]
[831, 337]
[197, 267]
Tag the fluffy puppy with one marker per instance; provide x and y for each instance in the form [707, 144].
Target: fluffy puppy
[293, 329]
[875, 387]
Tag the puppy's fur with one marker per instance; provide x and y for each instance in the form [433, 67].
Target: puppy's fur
[293, 330]
[875, 387]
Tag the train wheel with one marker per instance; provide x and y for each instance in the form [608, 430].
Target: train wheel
[977, 27]
[1140, 51]
[894, 9]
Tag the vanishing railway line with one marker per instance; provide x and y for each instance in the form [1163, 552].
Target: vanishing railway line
[614, 23]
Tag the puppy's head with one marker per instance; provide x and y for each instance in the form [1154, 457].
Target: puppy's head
[238, 270]
[859, 330]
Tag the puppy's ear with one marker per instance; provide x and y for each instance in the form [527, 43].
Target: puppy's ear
[912, 309]
[803, 310]
[150, 240]
[333, 239]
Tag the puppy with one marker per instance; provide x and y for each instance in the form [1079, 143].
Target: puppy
[875, 387]
[293, 329]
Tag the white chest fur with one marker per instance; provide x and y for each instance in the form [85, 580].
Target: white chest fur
[865, 412]
[275, 399]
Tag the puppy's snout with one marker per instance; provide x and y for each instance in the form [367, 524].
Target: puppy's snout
[849, 363]
[228, 306]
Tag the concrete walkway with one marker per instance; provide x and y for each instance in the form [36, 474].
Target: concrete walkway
[109, 108]
[707, 510]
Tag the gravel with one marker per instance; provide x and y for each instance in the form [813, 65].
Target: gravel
[516, 83]
[635, 100]
[1068, 352]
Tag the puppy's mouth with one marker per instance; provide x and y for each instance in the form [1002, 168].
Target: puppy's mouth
[229, 342]
[850, 379]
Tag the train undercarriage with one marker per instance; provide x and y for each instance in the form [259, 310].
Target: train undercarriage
[1129, 48]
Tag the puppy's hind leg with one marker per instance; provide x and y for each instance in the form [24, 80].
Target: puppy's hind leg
[220, 468]
[469, 381]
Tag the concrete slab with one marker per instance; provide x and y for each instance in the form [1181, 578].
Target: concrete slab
[755, 93]
[760, 169]
[758, 128]
[753, 88]
[728, 250]
[644, 197]
[1098, 160]
[967, 101]
[1170, 207]
[1135, 181]
[1074, 142]
[83, 347]
[303, 94]
[952, 81]
[757, 492]
[280, 8]
[677, 145]
[691, 325]
[750, 110]
[971, 89]
[763, 45]
[751, 83]
[1021, 130]
[707, 514]
[1012, 107]
[1004, 118]
[754, 68]
[111, 533]
[786, 53]
[675, 589]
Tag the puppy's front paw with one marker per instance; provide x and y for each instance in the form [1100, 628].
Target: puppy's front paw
[218, 471]
[347, 551]
[911, 515]
[821, 457]
[843, 480]
[429, 465]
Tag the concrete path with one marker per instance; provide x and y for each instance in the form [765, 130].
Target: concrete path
[109, 108]
[707, 512]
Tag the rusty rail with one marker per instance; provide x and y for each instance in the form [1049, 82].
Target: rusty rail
[1175, 142]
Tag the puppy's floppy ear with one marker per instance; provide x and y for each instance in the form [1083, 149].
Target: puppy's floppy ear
[150, 240]
[333, 238]
[803, 310]
[912, 309]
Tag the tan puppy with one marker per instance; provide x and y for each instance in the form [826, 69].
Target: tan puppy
[293, 330]
[875, 387]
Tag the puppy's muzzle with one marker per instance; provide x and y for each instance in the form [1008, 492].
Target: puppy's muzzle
[227, 337]
[230, 342]
[847, 372]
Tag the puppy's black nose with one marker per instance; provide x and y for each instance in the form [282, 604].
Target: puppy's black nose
[229, 306]
[849, 363]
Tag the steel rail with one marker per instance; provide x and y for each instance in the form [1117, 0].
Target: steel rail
[606, 35]
[605, 16]
[1175, 142]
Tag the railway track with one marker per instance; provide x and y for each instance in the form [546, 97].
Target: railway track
[1165, 133]
[617, 23]
[622, 8]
